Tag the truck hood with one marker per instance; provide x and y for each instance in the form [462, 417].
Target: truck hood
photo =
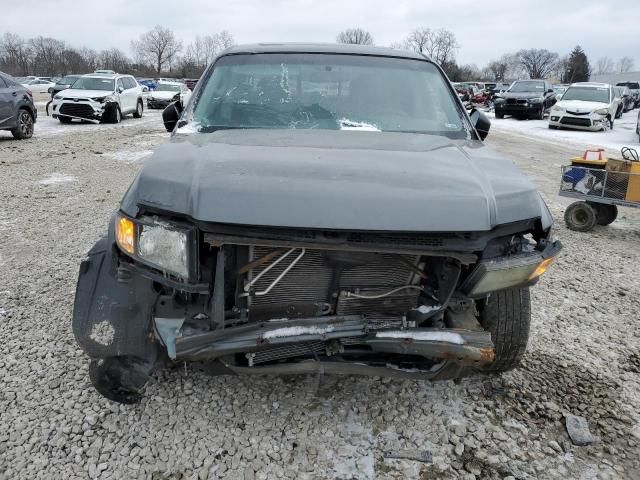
[351, 180]
[581, 106]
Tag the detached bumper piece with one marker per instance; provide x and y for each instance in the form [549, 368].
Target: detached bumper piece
[328, 340]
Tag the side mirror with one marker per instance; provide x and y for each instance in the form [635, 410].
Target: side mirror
[550, 90]
[171, 115]
[120, 89]
[481, 123]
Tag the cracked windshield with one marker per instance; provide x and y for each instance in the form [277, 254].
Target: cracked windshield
[330, 92]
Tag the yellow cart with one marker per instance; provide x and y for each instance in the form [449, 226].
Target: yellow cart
[601, 185]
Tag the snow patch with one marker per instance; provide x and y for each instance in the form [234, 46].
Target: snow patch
[443, 336]
[296, 331]
[346, 124]
[102, 333]
[57, 178]
[129, 156]
[424, 309]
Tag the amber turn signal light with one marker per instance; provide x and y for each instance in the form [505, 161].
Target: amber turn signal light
[542, 267]
[125, 234]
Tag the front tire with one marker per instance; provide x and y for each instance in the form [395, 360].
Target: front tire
[507, 315]
[580, 217]
[499, 115]
[139, 110]
[65, 119]
[24, 128]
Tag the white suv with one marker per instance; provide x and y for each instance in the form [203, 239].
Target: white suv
[101, 97]
[585, 106]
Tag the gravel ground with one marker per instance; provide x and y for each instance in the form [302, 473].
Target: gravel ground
[57, 192]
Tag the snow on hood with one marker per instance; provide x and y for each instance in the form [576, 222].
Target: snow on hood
[80, 93]
[162, 95]
[581, 106]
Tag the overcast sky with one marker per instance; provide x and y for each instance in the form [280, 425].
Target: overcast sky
[485, 29]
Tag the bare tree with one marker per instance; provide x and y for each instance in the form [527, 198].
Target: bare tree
[355, 36]
[538, 63]
[47, 55]
[625, 64]
[604, 65]
[157, 47]
[502, 68]
[440, 45]
[16, 54]
[114, 59]
[203, 50]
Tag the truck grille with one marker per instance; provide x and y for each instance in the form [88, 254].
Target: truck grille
[77, 110]
[319, 277]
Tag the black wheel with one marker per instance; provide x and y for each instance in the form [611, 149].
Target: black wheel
[610, 122]
[507, 315]
[580, 216]
[65, 119]
[112, 115]
[606, 213]
[619, 112]
[24, 128]
[139, 110]
[499, 115]
[115, 379]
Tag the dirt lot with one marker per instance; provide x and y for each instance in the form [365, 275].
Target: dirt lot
[57, 192]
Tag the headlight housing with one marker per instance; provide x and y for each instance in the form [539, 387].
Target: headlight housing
[508, 272]
[57, 97]
[161, 245]
[557, 108]
[601, 111]
[535, 100]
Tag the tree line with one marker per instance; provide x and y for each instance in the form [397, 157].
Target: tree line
[155, 53]
[159, 52]
[442, 46]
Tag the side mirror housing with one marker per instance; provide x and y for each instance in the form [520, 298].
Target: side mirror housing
[171, 115]
[120, 89]
[481, 123]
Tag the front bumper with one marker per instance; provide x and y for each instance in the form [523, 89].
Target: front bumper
[83, 109]
[518, 109]
[590, 122]
[158, 103]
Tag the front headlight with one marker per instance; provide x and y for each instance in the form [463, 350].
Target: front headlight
[535, 100]
[98, 99]
[502, 273]
[557, 108]
[601, 111]
[57, 97]
[158, 244]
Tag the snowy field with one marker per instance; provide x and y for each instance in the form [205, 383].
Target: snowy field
[623, 133]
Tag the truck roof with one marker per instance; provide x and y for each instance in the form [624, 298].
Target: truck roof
[344, 49]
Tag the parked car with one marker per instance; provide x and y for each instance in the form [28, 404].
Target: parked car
[191, 83]
[560, 89]
[585, 106]
[363, 230]
[99, 97]
[165, 93]
[634, 87]
[638, 126]
[65, 82]
[39, 85]
[18, 113]
[626, 101]
[525, 99]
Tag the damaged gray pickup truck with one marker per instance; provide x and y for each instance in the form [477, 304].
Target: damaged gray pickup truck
[319, 208]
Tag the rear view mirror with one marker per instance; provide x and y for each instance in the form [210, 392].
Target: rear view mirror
[481, 123]
[171, 115]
